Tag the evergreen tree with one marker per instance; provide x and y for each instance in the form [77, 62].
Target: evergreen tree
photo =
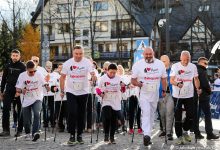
[5, 44]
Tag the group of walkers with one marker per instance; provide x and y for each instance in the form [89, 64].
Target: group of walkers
[76, 97]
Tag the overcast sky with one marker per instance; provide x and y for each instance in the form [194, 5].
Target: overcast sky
[27, 6]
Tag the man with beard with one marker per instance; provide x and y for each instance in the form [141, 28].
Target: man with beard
[8, 90]
[147, 75]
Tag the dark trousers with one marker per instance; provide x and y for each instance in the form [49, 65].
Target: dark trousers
[186, 125]
[98, 112]
[7, 100]
[76, 106]
[133, 106]
[48, 110]
[17, 116]
[109, 120]
[89, 113]
[62, 111]
[123, 111]
[204, 106]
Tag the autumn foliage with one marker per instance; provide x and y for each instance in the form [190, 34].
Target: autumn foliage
[30, 42]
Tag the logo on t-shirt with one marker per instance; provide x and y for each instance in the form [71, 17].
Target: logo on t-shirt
[151, 70]
[107, 83]
[77, 68]
[181, 72]
[27, 82]
[73, 67]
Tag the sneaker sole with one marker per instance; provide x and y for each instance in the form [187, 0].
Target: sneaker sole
[36, 137]
[71, 143]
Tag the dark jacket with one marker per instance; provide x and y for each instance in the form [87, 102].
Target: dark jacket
[204, 82]
[10, 74]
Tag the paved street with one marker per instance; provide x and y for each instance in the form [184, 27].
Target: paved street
[123, 142]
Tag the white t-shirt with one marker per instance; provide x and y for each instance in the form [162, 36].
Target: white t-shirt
[57, 96]
[77, 73]
[150, 74]
[52, 82]
[41, 70]
[34, 86]
[217, 82]
[126, 80]
[185, 74]
[111, 87]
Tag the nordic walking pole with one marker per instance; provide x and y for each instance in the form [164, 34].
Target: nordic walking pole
[165, 121]
[197, 116]
[58, 118]
[132, 139]
[46, 106]
[92, 94]
[20, 115]
[100, 113]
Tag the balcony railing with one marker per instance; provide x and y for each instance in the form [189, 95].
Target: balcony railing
[113, 55]
[127, 34]
[61, 58]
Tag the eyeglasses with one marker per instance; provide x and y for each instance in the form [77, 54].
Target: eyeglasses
[32, 71]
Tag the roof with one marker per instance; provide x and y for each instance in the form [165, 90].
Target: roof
[183, 15]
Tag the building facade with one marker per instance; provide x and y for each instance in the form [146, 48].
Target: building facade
[103, 27]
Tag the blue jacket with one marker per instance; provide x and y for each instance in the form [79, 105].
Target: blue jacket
[169, 84]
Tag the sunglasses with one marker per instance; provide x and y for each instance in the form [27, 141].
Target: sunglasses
[32, 71]
[205, 63]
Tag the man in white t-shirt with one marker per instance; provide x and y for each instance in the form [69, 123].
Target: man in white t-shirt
[181, 77]
[147, 74]
[31, 83]
[75, 71]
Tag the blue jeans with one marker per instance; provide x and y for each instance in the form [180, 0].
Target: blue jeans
[27, 117]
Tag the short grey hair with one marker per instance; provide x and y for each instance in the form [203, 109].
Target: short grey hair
[185, 53]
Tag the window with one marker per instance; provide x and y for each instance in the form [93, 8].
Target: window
[77, 42]
[77, 3]
[55, 50]
[101, 47]
[86, 32]
[126, 25]
[100, 6]
[85, 43]
[123, 46]
[63, 28]
[198, 27]
[204, 8]
[77, 33]
[63, 8]
[101, 26]
[85, 2]
[108, 47]
[163, 11]
[64, 50]
[49, 29]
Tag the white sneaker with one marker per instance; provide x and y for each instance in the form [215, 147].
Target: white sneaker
[28, 137]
